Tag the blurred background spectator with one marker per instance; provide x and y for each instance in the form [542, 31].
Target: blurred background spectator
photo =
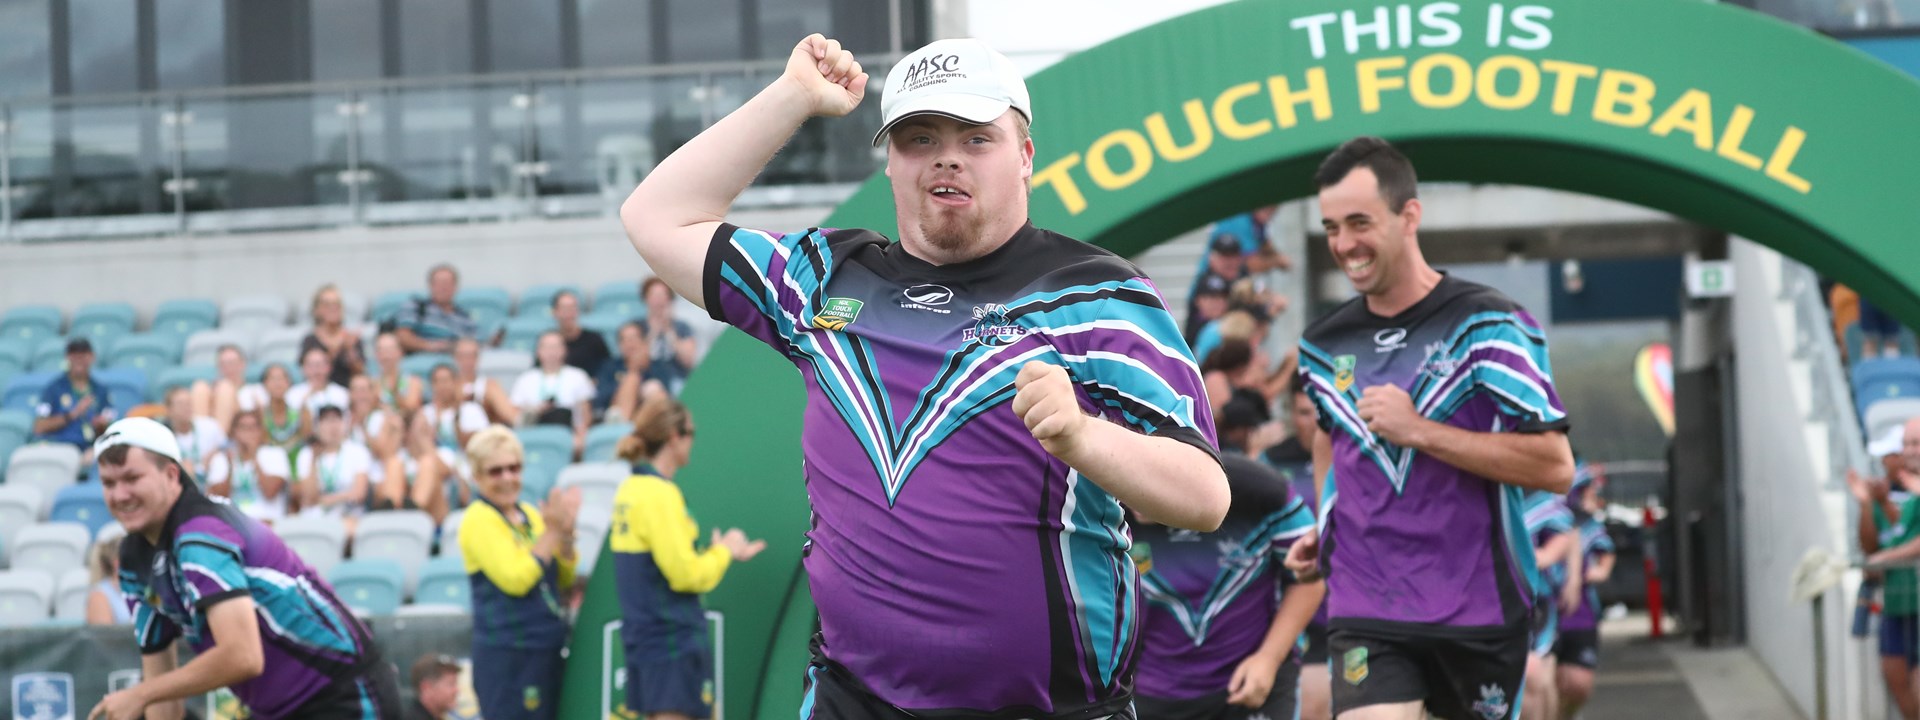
[230, 392]
[482, 389]
[398, 390]
[454, 419]
[585, 349]
[369, 422]
[250, 472]
[73, 408]
[318, 390]
[287, 427]
[106, 604]
[432, 323]
[669, 341]
[333, 471]
[200, 437]
[436, 686]
[555, 393]
[331, 335]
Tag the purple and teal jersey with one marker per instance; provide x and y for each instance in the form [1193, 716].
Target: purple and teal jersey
[956, 565]
[1211, 596]
[210, 552]
[1595, 543]
[1547, 517]
[1410, 543]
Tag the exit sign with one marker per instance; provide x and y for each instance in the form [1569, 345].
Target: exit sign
[1709, 278]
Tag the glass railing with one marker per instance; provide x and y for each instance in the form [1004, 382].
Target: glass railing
[1845, 15]
[408, 151]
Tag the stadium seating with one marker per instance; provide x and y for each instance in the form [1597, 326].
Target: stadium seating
[82, 504]
[368, 586]
[537, 300]
[598, 481]
[25, 597]
[1877, 379]
[549, 448]
[14, 421]
[109, 530]
[589, 533]
[403, 536]
[102, 322]
[184, 317]
[20, 506]
[523, 333]
[281, 345]
[15, 356]
[23, 390]
[180, 376]
[602, 439]
[444, 581]
[52, 547]
[203, 347]
[1883, 415]
[620, 297]
[147, 352]
[125, 387]
[420, 365]
[504, 365]
[50, 355]
[70, 592]
[319, 541]
[390, 303]
[485, 303]
[31, 323]
[46, 467]
[608, 325]
[253, 314]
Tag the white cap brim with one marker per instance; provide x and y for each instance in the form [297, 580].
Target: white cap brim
[1889, 443]
[966, 107]
[143, 433]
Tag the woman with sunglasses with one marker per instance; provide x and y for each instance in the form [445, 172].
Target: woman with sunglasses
[659, 572]
[520, 561]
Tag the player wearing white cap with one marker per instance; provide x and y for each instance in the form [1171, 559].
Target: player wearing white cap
[260, 621]
[983, 395]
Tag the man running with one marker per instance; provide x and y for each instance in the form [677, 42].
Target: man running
[1577, 652]
[1555, 542]
[1436, 408]
[983, 395]
[259, 620]
[1224, 622]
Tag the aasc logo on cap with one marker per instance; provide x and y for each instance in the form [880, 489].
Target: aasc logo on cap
[930, 69]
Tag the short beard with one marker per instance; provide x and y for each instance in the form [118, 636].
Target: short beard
[953, 235]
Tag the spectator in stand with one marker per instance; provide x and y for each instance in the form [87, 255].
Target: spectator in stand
[480, 389]
[287, 428]
[555, 393]
[1249, 231]
[106, 604]
[1843, 305]
[368, 421]
[660, 574]
[1890, 532]
[1238, 369]
[1208, 303]
[1293, 459]
[73, 409]
[585, 349]
[229, 393]
[1249, 324]
[425, 475]
[319, 390]
[398, 390]
[332, 336]
[333, 471]
[1879, 332]
[620, 384]
[200, 437]
[454, 419]
[1247, 428]
[670, 344]
[521, 563]
[436, 685]
[251, 473]
[433, 323]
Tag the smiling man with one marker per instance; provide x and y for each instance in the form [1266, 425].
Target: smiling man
[982, 396]
[1436, 410]
[258, 619]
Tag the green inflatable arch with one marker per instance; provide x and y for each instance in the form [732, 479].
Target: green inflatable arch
[1707, 111]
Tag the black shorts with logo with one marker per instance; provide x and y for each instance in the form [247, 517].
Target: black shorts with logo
[1457, 678]
[1578, 647]
[1283, 701]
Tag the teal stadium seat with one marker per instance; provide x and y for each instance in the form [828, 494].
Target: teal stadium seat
[102, 322]
[185, 316]
[31, 323]
[372, 586]
[537, 300]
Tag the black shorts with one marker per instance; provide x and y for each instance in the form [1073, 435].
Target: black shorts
[1578, 647]
[833, 694]
[1457, 679]
[1282, 702]
[681, 685]
[1316, 654]
[372, 696]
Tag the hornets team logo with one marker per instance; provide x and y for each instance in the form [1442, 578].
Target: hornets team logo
[991, 326]
[1438, 364]
[838, 314]
[1343, 372]
[1492, 704]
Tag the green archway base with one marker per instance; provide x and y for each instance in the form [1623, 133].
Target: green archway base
[1704, 110]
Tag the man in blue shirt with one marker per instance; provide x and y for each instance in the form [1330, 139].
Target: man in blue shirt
[73, 409]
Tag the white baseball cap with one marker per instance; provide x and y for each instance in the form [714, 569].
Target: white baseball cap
[962, 79]
[143, 433]
[1889, 442]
